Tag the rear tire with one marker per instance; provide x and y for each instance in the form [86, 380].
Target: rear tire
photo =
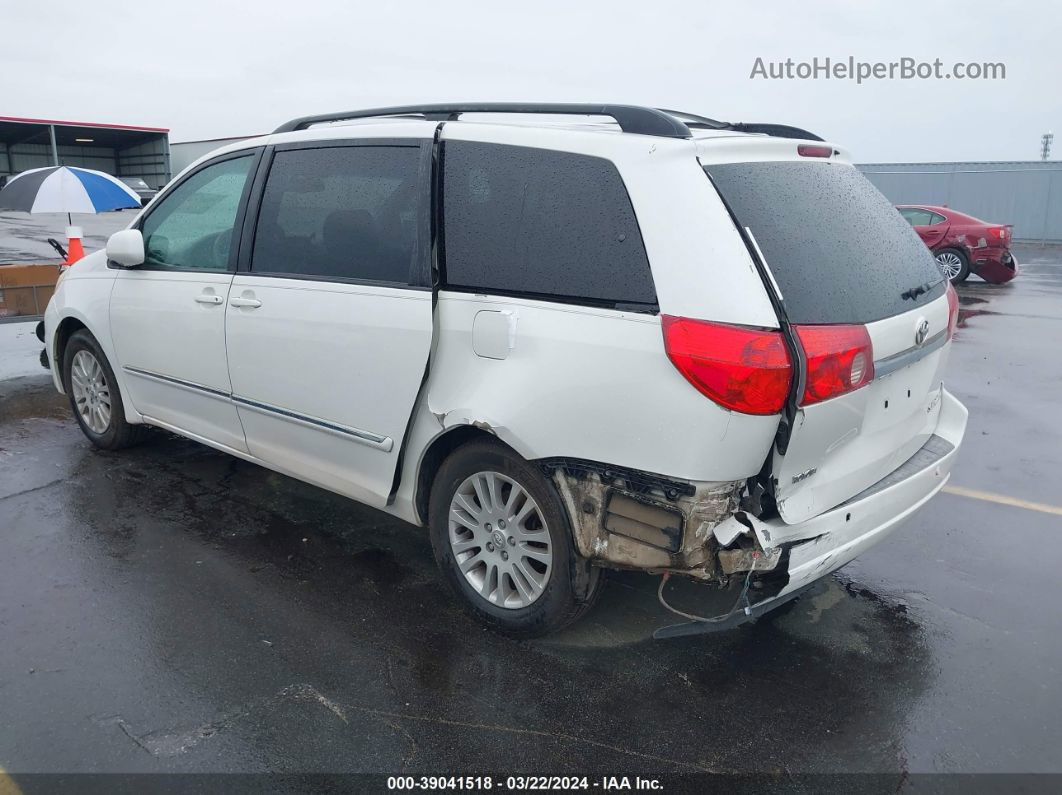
[521, 576]
[94, 395]
[953, 264]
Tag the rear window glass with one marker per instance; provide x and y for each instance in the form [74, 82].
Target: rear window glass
[543, 223]
[837, 248]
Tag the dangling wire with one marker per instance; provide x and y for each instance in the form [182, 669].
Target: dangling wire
[717, 619]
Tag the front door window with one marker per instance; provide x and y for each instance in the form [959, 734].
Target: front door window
[192, 228]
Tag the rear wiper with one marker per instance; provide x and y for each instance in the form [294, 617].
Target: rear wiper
[914, 292]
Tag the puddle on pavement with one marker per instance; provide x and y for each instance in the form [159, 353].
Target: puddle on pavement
[31, 397]
[830, 613]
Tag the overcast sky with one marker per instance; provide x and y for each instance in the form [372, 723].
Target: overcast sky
[216, 69]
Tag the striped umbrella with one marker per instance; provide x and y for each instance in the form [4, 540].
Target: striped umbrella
[66, 189]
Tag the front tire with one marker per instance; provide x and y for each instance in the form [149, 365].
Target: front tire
[500, 535]
[953, 264]
[94, 395]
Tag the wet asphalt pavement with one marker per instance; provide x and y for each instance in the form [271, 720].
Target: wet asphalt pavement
[24, 236]
[170, 608]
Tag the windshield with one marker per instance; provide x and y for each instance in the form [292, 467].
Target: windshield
[135, 183]
[838, 250]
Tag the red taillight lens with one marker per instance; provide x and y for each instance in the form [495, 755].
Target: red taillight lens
[840, 359]
[810, 150]
[953, 310]
[739, 368]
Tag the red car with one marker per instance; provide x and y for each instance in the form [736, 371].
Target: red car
[963, 244]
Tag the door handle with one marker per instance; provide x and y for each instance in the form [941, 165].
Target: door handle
[207, 298]
[249, 303]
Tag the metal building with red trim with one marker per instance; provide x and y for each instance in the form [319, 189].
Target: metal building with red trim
[123, 150]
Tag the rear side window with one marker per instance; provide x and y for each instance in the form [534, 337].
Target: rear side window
[347, 212]
[916, 217]
[542, 223]
[837, 248]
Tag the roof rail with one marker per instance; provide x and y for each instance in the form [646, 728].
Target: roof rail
[630, 118]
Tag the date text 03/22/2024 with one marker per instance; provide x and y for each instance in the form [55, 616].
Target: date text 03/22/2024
[522, 783]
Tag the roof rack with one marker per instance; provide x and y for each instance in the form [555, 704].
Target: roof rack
[630, 118]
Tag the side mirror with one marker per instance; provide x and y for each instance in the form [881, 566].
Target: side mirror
[126, 248]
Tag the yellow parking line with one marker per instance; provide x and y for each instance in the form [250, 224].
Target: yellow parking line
[8, 785]
[1003, 499]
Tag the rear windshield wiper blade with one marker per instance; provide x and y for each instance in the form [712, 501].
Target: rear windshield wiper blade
[914, 292]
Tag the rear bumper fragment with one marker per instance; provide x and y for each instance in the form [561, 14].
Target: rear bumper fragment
[996, 265]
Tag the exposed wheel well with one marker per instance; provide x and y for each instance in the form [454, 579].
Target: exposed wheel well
[437, 451]
[67, 327]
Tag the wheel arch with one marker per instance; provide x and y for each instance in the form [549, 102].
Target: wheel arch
[444, 443]
[956, 245]
[63, 332]
[68, 325]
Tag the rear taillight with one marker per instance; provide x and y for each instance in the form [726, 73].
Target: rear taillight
[998, 232]
[953, 309]
[811, 150]
[840, 359]
[742, 369]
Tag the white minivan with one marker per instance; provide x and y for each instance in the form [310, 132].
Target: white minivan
[563, 338]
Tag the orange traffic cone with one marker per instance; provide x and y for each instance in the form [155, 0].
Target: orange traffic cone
[74, 250]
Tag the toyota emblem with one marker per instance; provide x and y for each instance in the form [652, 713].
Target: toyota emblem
[922, 332]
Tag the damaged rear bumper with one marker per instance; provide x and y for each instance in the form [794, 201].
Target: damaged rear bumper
[635, 520]
[827, 542]
[622, 521]
[995, 265]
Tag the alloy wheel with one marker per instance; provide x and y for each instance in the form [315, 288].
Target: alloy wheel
[500, 541]
[92, 394]
[949, 263]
